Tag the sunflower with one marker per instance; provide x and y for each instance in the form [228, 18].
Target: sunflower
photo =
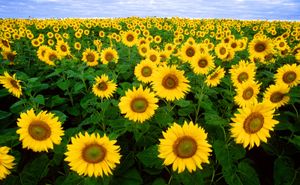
[144, 71]
[11, 84]
[51, 56]
[77, 46]
[170, 83]
[252, 124]
[277, 95]
[188, 52]
[129, 38]
[9, 55]
[247, 93]
[92, 155]
[41, 52]
[222, 51]
[62, 48]
[203, 63]
[153, 56]
[104, 88]
[215, 77]
[184, 147]
[242, 72]
[288, 74]
[143, 49]
[39, 132]
[138, 104]
[90, 57]
[260, 47]
[109, 55]
[6, 162]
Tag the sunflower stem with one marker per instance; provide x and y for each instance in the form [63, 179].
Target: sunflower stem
[199, 102]
[295, 110]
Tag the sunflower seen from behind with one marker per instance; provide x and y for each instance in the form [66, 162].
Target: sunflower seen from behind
[90, 57]
[6, 162]
[247, 93]
[12, 84]
[185, 147]
[288, 74]
[138, 104]
[277, 95]
[144, 71]
[39, 132]
[252, 124]
[92, 155]
[103, 87]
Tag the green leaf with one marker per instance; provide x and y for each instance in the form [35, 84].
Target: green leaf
[182, 103]
[131, 177]
[296, 141]
[39, 99]
[61, 115]
[212, 118]
[9, 136]
[159, 181]
[185, 111]
[247, 174]
[18, 106]
[222, 153]
[34, 171]
[283, 171]
[163, 117]
[71, 179]
[4, 114]
[63, 84]
[3, 92]
[149, 157]
[56, 100]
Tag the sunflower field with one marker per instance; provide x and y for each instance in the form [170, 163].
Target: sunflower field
[152, 101]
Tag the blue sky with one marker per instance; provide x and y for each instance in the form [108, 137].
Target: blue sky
[236, 9]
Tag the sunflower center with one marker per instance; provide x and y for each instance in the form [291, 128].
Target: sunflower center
[276, 97]
[14, 83]
[102, 86]
[253, 123]
[146, 71]
[153, 58]
[63, 48]
[109, 56]
[281, 44]
[289, 77]
[144, 50]
[170, 81]
[260, 47]
[52, 57]
[215, 75]
[39, 130]
[234, 45]
[185, 147]
[5, 43]
[248, 93]
[93, 153]
[43, 53]
[202, 63]
[242, 77]
[90, 57]
[190, 52]
[11, 57]
[222, 51]
[130, 38]
[139, 105]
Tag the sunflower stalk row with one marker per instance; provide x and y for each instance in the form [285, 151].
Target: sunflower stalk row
[149, 101]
